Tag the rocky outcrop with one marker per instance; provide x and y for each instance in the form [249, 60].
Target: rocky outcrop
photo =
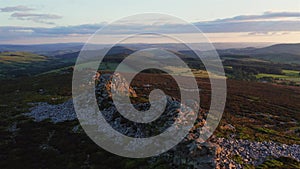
[107, 83]
[240, 152]
[56, 113]
[191, 152]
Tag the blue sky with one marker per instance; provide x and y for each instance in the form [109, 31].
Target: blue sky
[68, 16]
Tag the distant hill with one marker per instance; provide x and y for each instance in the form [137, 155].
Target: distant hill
[117, 50]
[41, 47]
[63, 48]
[285, 53]
[71, 55]
[113, 52]
[21, 60]
[280, 48]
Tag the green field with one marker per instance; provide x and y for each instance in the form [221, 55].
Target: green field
[291, 72]
[261, 75]
[290, 75]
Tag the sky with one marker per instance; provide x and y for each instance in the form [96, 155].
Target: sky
[57, 21]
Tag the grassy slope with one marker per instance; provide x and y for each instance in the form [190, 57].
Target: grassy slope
[18, 64]
[20, 57]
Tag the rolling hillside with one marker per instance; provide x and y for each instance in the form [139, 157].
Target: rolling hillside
[19, 64]
[20, 57]
[279, 53]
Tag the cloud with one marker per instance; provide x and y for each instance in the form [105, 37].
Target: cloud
[268, 21]
[266, 24]
[285, 21]
[265, 16]
[19, 8]
[21, 13]
[267, 33]
[256, 26]
[65, 30]
[38, 18]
